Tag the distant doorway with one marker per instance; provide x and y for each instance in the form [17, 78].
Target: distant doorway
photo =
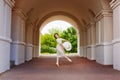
[47, 42]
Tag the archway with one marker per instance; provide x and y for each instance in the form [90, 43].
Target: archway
[67, 20]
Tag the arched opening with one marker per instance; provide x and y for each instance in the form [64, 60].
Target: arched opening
[70, 24]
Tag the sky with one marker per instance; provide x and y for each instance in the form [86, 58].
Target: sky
[58, 23]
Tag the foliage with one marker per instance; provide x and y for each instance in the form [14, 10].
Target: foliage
[70, 35]
[48, 42]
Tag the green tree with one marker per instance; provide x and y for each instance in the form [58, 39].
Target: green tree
[71, 35]
[48, 42]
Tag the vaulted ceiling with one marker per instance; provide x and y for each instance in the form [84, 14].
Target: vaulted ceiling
[83, 10]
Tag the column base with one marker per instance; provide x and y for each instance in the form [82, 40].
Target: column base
[4, 54]
[104, 54]
[81, 51]
[36, 51]
[91, 52]
[18, 52]
[29, 52]
[116, 55]
[85, 51]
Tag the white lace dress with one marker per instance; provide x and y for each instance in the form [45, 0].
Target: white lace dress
[59, 48]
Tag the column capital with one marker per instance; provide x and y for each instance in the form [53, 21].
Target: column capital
[114, 3]
[92, 24]
[29, 22]
[20, 12]
[10, 2]
[103, 13]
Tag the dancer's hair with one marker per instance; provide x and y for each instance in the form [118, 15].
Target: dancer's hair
[55, 35]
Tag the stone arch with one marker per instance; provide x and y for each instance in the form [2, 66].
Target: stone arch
[61, 16]
[58, 13]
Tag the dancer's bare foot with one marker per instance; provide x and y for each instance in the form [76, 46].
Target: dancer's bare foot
[69, 60]
[57, 64]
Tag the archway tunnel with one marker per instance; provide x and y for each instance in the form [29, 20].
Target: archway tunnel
[59, 28]
[97, 37]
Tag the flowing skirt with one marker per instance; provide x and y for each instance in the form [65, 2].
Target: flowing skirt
[60, 51]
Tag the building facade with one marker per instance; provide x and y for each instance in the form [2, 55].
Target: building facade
[97, 21]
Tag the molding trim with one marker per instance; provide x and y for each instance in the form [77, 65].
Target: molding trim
[89, 46]
[19, 43]
[29, 45]
[103, 13]
[5, 39]
[35, 46]
[20, 12]
[114, 3]
[115, 41]
[10, 3]
[104, 44]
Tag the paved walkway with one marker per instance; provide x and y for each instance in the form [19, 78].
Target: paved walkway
[45, 69]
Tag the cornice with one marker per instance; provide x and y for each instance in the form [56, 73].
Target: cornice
[114, 3]
[10, 3]
[103, 13]
[20, 12]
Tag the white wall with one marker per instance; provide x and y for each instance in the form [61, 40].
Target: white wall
[104, 25]
[5, 31]
[115, 4]
[18, 37]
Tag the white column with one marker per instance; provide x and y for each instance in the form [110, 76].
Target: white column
[36, 43]
[85, 43]
[29, 42]
[115, 4]
[88, 42]
[18, 37]
[5, 31]
[104, 25]
[91, 41]
[81, 43]
[78, 46]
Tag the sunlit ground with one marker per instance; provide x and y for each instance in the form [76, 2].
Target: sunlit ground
[54, 55]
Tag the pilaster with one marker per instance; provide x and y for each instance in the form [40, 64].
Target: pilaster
[104, 36]
[18, 37]
[5, 32]
[115, 5]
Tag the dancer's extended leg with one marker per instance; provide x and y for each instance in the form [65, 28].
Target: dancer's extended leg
[57, 61]
[68, 58]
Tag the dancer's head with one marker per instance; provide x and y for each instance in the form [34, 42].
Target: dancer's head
[56, 35]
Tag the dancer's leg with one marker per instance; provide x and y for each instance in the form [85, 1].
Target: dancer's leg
[57, 61]
[67, 58]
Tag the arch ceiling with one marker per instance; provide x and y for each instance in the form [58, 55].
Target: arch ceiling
[60, 17]
[83, 10]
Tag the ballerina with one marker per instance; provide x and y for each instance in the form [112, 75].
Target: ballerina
[60, 49]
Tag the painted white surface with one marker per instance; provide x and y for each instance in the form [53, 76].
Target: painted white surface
[85, 51]
[91, 52]
[2, 18]
[5, 31]
[116, 56]
[36, 51]
[116, 34]
[88, 53]
[18, 53]
[81, 51]
[29, 52]
[4, 56]
[104, 54]
[18, 37]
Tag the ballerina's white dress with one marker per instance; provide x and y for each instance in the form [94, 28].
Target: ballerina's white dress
[59, 48]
